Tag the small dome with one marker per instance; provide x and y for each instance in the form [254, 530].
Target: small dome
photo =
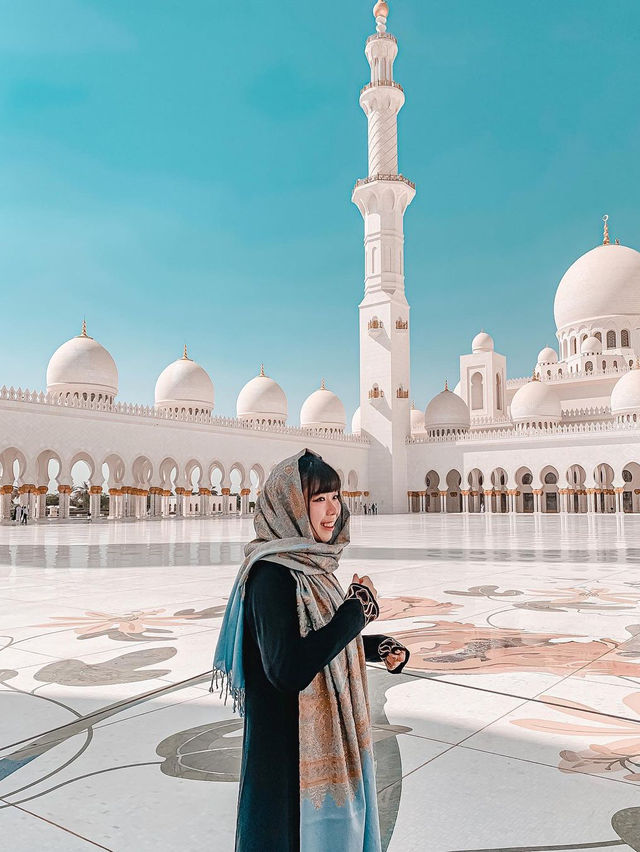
[625, 396]
[591, 346]
[83, 368]
[417, 419]
[482, 342]
[458, 389]
[185, 386]
[323, 410]
[447, 411]
[262, 401]
[534, 402]
[356, 427]
[547, 356]
[604, 282]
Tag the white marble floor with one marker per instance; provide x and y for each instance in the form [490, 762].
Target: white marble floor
[517, 728]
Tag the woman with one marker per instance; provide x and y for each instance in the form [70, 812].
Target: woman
[291, 655]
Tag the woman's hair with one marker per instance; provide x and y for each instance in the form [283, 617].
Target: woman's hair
[316, 476]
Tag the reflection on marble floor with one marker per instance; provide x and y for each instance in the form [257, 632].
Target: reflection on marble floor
[517, 727]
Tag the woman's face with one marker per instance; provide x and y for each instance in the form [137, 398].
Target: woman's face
[324, 511]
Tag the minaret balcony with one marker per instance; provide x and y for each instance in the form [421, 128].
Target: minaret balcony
[392, 177]
[375, 83]
[401, 393]
[382, 35]
[376, 393]
[402, 325]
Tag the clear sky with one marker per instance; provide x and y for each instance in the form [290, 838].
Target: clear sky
[181, 170]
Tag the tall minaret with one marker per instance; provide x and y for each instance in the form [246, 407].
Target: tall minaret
[382, 198]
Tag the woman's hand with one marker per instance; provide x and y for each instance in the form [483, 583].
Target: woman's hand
[366, 581]
[395, 659]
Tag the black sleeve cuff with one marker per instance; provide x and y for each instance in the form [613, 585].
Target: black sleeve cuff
[389, 645]
[369, 604]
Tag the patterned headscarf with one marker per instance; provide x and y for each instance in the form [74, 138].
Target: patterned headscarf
[338, 808]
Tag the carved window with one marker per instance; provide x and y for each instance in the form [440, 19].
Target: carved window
[611, 340]
[624, 337]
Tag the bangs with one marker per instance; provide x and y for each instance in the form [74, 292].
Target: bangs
[317, 477]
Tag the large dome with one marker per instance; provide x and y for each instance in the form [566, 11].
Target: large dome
[185, 386]
[604, 282]
[446, 411]
[262, 401]
[323, 410]
[535, 402]
[83, 368]
[625, 396]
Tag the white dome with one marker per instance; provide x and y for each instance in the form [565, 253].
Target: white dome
[458, 389]
[446, 410]
[602, 283]
[323, 410]
[547, 356]
[482, 342]
[356, 426]
[591, 346]
[83, 367]
[625, 396]
[184, 385]
[535, 401]
[417, 420]
[263, 400]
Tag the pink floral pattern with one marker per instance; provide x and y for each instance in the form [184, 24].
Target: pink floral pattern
[620, 755]
[134, 623]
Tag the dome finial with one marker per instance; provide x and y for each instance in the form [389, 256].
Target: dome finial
[605, 239]
[185, 357]
[322, 385]
[446, 385]
[381, 13]
[262, 370]
[84, 328]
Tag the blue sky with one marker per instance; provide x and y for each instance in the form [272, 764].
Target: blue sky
[181, 171]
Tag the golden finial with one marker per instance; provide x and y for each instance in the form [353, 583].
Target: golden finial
[322, 385]
[84, 328]
[605, 240]
[617, 241]
[413, 405]
[262, 369]
[534, 376]
[381, 13]
[446, 385]
[185, 357]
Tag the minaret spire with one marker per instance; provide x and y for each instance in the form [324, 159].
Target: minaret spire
[382, 198]
[605, 238]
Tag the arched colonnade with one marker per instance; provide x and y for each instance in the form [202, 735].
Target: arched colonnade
[547, 490]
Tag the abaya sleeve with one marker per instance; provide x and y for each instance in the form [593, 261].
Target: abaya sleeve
[291, 661]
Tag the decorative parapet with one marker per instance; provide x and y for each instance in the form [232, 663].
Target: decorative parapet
[149, 412]
[568, 376]
[518, 434]
[401, 393]
[402, 325]
[376, 393]
[375, 324]
[394, 177]
[382, 35]
[376, 83]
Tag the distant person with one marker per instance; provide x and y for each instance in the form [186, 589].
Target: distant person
[291, 655]
[24, 516]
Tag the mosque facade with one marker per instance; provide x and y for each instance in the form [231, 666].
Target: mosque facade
[565, 440]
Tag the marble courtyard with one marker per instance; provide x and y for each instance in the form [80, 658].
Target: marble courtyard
[516, 728]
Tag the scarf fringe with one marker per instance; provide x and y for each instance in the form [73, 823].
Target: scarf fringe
[221, 682]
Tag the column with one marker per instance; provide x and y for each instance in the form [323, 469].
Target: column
[443, 501]
[487, 501]
[590, 492]
[95, 493]
[225, 501]
[244, 501]
[5, 502]
[465, 502]
[619, 492]
[64, 498]
[180, 502]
